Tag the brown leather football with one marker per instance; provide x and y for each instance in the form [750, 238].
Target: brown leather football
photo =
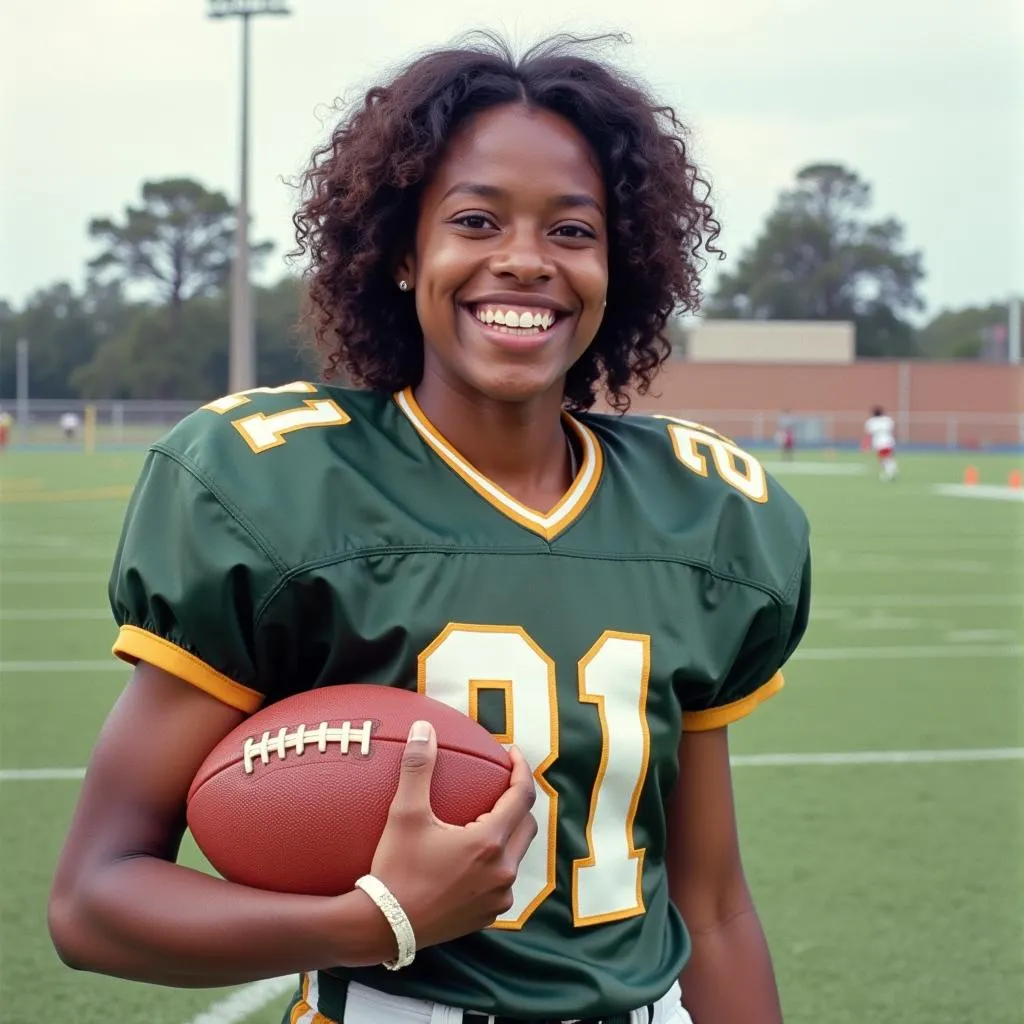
[296, 797]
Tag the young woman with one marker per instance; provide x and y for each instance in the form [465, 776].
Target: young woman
[493, 243]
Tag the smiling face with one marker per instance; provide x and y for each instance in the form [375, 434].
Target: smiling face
[510, 268]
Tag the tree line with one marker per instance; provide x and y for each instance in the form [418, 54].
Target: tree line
[152, 318]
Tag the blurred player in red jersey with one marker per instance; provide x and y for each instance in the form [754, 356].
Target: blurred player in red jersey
[5, 428]
[785, 436]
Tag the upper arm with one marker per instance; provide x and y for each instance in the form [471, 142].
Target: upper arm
[705, 871]
[133, 799]
[185, 589]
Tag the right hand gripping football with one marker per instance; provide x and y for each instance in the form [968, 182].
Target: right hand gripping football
[452, 880]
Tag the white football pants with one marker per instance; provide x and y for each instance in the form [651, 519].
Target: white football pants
[368, 1006]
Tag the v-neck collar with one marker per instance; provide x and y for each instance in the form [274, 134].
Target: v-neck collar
[547, 524]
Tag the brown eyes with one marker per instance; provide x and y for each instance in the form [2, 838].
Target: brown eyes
[482, 222]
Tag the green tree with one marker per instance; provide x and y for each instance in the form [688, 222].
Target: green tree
[146, 359]
[282, 353]
[820, 258]
[180, 242]
[8, 340]
[58, 324]
[961, 333]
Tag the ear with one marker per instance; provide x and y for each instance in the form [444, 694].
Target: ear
[405, 270]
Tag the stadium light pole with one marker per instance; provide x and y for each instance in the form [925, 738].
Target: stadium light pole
[242, 344]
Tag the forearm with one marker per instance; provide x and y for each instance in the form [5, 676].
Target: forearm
[729, 977]
[149, 920]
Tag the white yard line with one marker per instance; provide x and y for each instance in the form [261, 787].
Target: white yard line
[865, 653]
[921, 652]
[25, 557]
[56, 577]
[246, 1001]
[879, 563]
[53, 614]
[41, 774]
[921, 601]
[986, 492]
[57, 667]
[849, 757]
[854, 757]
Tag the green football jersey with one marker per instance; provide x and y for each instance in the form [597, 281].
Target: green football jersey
[304, 536]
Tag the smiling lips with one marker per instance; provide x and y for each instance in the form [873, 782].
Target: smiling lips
[515, 320]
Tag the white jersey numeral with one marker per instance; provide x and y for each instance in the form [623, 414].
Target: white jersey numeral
[262, 432]
[465, 659]
[735, 466]
[607, 884]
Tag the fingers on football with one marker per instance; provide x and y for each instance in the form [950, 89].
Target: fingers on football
[413, 794]
[514, 805]
[519, 842]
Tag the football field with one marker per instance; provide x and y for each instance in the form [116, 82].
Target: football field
[881, 794]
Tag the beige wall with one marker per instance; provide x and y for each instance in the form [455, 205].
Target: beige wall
[772, 341]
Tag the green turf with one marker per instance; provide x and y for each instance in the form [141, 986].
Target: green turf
[890, 892]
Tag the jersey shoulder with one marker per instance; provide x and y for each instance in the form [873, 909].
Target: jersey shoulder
[277, 435]
[709, 496]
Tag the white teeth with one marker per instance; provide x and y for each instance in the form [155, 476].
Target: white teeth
[528, 320]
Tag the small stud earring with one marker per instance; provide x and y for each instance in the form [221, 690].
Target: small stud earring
[403, 286]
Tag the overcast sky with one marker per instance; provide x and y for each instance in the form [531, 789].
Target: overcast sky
[923, 98]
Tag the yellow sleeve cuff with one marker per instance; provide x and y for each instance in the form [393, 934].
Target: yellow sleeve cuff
[134, 645]
[715, 718]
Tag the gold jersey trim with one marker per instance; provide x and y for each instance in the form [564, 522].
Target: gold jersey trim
[715, 718]
[547, 525]
[134, 644]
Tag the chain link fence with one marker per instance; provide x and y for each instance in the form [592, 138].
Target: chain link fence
[135, 424]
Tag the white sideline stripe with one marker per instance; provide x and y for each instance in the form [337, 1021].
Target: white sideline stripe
[868, 653]
[984, 491]
[850, 757]
[53, 614]
[815, 468]
[246, 1001]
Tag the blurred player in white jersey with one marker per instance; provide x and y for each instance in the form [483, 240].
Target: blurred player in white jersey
[881, 430]
[69, 424]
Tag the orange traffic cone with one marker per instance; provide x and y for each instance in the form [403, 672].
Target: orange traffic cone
[1015, 480]
[970, 476]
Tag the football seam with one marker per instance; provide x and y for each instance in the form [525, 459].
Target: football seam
[198, 784]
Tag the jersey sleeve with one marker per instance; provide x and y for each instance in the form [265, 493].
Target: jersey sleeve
[188, 580]
[774, 632]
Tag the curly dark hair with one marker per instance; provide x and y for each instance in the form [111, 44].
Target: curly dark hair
[360, 198]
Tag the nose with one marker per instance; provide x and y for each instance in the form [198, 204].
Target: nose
[522, 255]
